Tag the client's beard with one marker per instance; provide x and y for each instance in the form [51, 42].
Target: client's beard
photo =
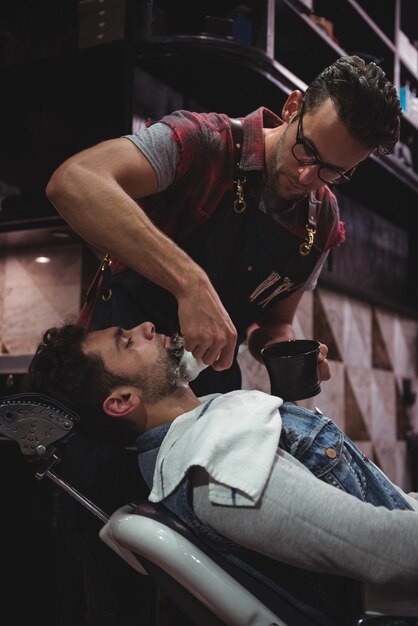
[176, 348]
[161, 378]
[173, 369]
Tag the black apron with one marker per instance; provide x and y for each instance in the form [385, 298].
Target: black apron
[251, 260]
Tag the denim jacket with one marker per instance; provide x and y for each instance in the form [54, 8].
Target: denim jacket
[323, 448]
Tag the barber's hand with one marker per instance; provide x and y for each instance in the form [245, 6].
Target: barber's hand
[206, 327]
[324, 372]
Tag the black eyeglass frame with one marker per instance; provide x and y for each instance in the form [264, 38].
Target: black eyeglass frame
[342, 177]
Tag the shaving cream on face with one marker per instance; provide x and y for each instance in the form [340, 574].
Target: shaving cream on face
[190, 367]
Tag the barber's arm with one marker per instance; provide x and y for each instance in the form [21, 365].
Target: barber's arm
[276, 325]
[94, 192]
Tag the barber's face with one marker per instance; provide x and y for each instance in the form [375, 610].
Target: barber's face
[148, 360]
[327, 138]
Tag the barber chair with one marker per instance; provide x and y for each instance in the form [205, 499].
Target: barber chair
[207, 588]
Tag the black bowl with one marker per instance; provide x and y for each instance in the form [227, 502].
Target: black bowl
[292, 368]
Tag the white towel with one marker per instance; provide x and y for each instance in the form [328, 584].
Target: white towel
[233, 436]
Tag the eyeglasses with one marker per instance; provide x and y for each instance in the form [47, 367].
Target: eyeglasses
[306, 155]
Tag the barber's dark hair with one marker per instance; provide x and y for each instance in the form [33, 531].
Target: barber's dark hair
[61, 370]
[366, 101]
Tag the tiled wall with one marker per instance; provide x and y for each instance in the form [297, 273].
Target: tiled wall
[35, 296]
[371, 351]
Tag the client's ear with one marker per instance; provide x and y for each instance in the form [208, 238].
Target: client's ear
[121, 401]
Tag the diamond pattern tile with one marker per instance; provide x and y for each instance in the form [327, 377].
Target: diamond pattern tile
[328, 324]
[372, 353]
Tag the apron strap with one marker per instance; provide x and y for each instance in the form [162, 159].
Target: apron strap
[313, 211]
[237, 131]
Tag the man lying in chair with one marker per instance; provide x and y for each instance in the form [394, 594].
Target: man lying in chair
[248, 473]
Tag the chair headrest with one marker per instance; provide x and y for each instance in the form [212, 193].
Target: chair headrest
[35, 421]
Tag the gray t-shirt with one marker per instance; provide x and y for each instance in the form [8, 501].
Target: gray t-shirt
[157, 145]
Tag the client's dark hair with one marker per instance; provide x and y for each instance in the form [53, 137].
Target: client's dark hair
[366, 101]
[61, 370]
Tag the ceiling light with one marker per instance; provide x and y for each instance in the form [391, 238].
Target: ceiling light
[61, 234]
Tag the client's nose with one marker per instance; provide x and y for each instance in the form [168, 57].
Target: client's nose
[146, 329]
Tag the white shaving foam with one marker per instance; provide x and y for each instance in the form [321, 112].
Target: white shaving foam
[190, 366]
